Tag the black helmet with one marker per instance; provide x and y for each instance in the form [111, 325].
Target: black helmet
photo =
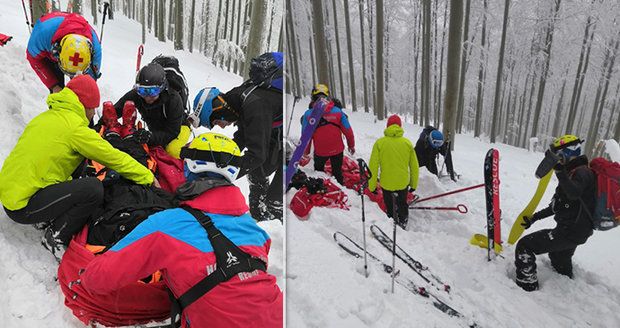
[151, 75]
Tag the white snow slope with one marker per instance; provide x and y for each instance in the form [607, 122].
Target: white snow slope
[326, 287]
[30, 296]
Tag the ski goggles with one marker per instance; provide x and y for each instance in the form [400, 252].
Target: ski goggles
[570, 151]
[148, 91]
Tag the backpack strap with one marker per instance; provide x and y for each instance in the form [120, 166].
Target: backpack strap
[230, 260]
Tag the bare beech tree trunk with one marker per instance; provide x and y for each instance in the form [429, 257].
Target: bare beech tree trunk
[426, 62]
[380, 79]
[178, 25]
[161, 22]
[347, 23]
[545, 68]
[453, 69]
[339, 65]
[481, 75]
[500, 70]
[320, 46]
[191, 26]
[579, 79]
[365, 81]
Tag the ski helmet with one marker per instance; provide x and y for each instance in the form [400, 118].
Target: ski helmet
[435, 139]
[567, 146]
[150, 75]
[320, 89]
[74, 54]
[266, 70]
[211, 153]
[209, 105]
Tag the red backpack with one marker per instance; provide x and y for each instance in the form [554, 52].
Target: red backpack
[607, 205]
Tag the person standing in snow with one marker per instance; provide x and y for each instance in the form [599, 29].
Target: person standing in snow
[571, 206]
[429, 145]
[255, 107]
[394, 157]
[247, 298]
[35, 180]
[63, 44]
[327, 137]
[159, 106]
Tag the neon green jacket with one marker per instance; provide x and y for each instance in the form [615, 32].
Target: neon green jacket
[395, 156]
[51, 147]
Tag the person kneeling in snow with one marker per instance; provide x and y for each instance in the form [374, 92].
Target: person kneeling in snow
[572, 202]
[395, 157]
[183, 244]
[35, 181]
[429, 145]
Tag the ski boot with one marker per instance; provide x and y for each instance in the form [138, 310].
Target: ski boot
[110, 120]
[129, 119]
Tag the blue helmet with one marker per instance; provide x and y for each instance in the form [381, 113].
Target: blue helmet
[206, 101]
[435, 139]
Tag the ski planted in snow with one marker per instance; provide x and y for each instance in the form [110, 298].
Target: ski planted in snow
[306, 135]
[491, 188]
[415, 265]
[352, 248]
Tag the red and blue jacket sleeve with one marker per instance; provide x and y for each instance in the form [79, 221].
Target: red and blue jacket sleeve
[39, 51]
[95, 64]
[346, 129]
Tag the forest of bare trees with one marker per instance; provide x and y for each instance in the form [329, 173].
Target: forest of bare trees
[230, 32]
[526, 70]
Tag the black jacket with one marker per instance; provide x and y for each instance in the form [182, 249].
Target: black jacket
[163, 118]
[576, 188]
[427, 154]
[259, 128]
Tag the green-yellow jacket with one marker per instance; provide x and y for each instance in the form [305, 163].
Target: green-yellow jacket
[395, 155]
[51, 147]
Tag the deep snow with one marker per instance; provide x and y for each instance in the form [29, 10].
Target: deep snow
[326, 286]
[30, 295]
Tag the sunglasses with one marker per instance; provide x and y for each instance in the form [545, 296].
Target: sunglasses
[437, 143]
[148, 91]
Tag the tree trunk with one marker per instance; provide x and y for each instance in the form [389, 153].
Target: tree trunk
[339, 65]
[545, 69]
[191, 26]
[292, 50]
[371, 47]
[426, 62]
[178, 25]
[580, 79]
[237, 40]
[597, 112]
[320, 46]
[347, 23]
[93, 9]
[500, 70]
[365, 81]
[558, 111]
[312, 61]
[143, 20]
[161, 33]
[481, 75]
[216, 38]
[171, 17]
[225, 36]
[453, 69]
[380, 79]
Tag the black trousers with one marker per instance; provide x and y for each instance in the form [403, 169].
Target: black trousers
[560, 251]
[336, 162]
[402, 208]
[266, 198]
[67, 206]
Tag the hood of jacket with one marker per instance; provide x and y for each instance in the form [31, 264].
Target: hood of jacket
[67, 100]
[393, 131]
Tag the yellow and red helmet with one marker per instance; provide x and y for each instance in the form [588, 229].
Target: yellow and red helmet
[74, 54]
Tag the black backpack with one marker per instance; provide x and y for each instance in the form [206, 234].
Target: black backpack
[125, 206]
[174, 76]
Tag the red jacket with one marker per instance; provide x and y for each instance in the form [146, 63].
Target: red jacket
[327, 137]
[173, 242]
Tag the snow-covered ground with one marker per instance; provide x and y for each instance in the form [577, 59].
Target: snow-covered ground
[326, 286]
[30, 295]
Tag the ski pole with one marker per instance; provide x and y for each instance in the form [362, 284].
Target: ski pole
[449, 193]
[460, 208]
[395, 217]
[364, 176]
[26, 15]
[105, 13]
[139, 57]
[288, 128]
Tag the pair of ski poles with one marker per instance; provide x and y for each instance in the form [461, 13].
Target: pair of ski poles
[365, 174]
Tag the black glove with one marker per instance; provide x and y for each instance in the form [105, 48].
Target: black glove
[529, 220]
[142, 136]
[558, 167]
